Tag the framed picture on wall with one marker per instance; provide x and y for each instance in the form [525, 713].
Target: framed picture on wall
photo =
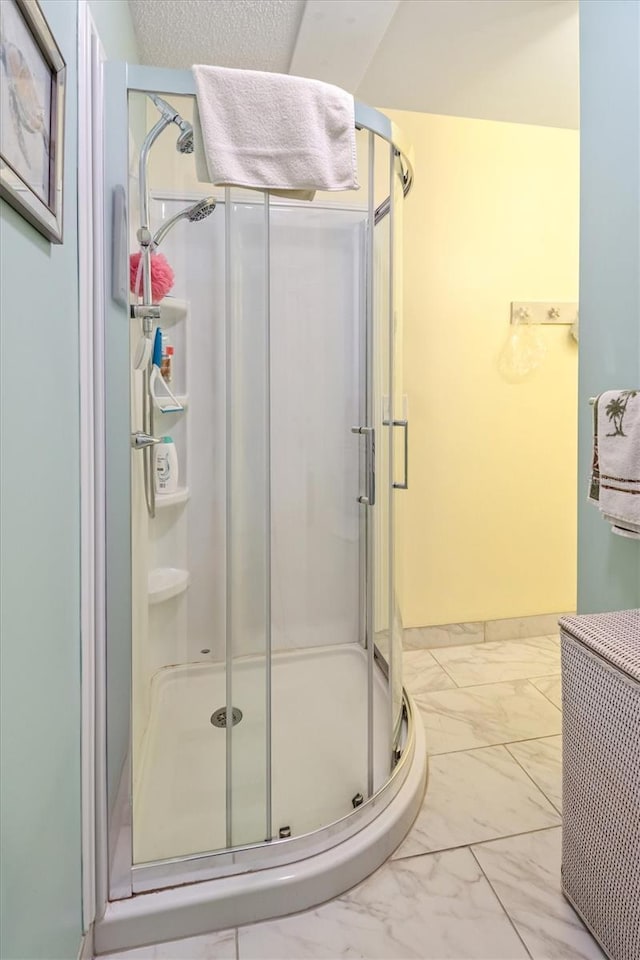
[32, 95]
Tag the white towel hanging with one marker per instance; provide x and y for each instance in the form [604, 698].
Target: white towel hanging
[270, 131]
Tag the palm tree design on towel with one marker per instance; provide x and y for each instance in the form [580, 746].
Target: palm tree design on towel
[616, 409]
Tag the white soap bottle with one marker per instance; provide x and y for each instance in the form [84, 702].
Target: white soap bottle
[166, 466]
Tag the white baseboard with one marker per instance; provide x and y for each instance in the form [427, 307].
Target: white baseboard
[479, 631]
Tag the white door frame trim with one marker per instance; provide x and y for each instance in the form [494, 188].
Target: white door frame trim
[91, 320]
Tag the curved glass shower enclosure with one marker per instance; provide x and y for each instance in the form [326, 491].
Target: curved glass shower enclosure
[255, 708]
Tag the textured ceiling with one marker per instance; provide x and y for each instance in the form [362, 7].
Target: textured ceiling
[514, 60]
[254, 34]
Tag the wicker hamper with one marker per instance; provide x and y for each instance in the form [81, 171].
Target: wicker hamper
[601, 776]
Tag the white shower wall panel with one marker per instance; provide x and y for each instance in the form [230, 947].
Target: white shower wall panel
[192, 535]
[316, 318]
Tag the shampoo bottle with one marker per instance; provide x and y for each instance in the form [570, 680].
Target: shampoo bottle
[166, 466]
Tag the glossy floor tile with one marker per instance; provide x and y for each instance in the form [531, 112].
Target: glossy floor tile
[436, 907]
[483, 715]
[524, 871]
[542, 760]
[476, 795]
[502, 660]
[421, 673]
[551, 687]
[211, 946]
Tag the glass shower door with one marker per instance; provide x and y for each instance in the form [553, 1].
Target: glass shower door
[248, 521]
[200, 656]
[391, 430]
[399, 426]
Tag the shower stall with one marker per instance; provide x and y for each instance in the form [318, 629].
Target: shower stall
[258, 737]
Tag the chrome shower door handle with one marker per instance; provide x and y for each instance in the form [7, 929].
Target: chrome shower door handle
[369, 434]
[405, 425]
[405, 483]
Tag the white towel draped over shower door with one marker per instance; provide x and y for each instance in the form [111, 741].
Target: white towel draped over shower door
[270, 131]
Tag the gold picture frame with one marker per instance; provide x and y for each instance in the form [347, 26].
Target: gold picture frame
[32, 101]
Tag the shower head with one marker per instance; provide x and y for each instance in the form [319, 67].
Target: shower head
[184, 143]
[193, 214]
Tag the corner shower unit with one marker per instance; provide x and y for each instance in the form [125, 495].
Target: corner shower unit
[259, 739]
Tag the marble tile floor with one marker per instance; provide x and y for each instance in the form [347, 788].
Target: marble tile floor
[500, 660]
[478, 876]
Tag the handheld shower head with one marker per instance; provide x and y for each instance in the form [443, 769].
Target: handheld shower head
[193, 214]
[200, 210]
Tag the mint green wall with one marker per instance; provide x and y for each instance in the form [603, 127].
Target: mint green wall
[40, 824]
[608, 566]
[40, 544]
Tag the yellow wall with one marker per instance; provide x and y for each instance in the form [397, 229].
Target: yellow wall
[491, 510]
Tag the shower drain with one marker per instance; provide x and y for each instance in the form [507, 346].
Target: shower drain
[219, 717]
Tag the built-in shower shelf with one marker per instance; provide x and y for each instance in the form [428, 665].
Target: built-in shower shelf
[167, 582]
[183, 400]
[164, 500]
[172, 310]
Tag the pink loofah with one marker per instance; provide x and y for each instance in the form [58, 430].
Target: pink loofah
[162, 276]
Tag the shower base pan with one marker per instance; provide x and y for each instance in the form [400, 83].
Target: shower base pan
[319, 745]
